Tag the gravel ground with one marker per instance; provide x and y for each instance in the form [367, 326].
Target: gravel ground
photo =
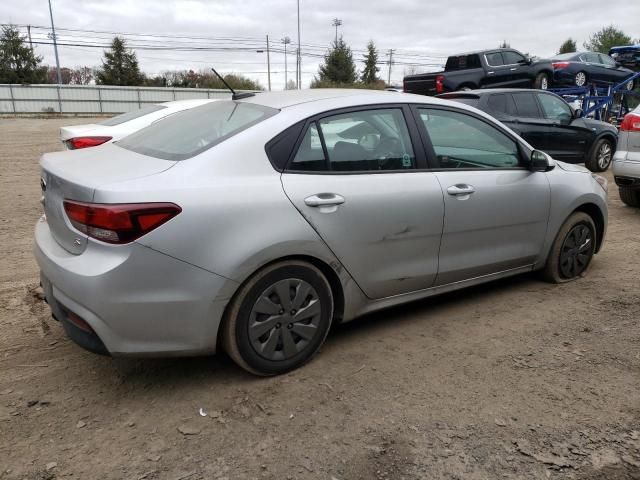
[518, 379]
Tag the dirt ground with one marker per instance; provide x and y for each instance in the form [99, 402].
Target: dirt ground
[518, 379]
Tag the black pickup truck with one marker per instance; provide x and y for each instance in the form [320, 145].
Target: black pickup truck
[502, 67]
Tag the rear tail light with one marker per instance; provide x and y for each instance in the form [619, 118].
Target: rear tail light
[84, 142]
[118, 222]
[630, 123]
[559, 65]
[440, 84]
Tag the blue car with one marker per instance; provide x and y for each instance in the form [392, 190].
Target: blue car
[581, 68]
[628, 55]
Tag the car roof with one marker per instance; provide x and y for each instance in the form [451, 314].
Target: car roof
[487, 91]
[188, 103]
[289, 98]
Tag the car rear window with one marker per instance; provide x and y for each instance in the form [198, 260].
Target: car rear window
[462, 62]
[191, 132]
[125, 117]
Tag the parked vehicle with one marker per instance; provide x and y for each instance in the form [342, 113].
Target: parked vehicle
[626, 162]
[497, 68]
[627, 55]
[548, 123]
[581, 68]
[115, 128]
[259, 223]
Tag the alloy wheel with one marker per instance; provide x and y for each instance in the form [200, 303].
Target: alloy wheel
[576, 251]
[284, 319]
[629, 85]
[604, 155]
[544, 83]
[581, 79]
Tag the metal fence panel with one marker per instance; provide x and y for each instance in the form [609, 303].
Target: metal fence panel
[92, 98]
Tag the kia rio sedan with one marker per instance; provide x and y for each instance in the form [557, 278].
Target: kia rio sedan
[254, 225]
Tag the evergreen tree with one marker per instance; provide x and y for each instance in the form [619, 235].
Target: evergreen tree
[369, 74]
[569, 46]
[119, 66]
[18, 64]
[606, 38]
[338, 66]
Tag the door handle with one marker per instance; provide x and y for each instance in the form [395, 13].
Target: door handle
[324, 200]
[460, 189]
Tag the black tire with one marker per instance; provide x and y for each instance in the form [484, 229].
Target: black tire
[630, 196]
[241, 317]
[566, 247]
[542, 81]
[578, 76]
[601, 156]
[630, 85]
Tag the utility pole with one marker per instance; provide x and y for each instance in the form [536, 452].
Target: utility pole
[297, 65]
[286, 41]
[299, 59]
[55, 44]
[29, 33]
[268, 63]
[390, 62]
[336, 23]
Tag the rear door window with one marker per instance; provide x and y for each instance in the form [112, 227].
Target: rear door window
[526, 105]
[494, 59]
[191, 132]
[502, 103]
[360, 141]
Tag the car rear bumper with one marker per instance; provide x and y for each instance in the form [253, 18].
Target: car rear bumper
[131, 299]
[626, 171]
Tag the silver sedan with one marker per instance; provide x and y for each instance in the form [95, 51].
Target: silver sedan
[255, 224]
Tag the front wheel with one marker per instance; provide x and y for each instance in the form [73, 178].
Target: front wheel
[279, 318]
[542, 81]
[572, 249]
[601, 156]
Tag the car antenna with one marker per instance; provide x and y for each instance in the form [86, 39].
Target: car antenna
[234, 95]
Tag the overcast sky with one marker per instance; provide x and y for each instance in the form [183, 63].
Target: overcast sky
[421, 31]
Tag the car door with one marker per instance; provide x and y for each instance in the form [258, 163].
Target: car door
[614, 73]
[497, 74]
[359, 178]
[518, 68]
[496, 210]
[595, 70]
[530, 123]
[568, 138]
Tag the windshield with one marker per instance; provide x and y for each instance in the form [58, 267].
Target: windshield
[125, 117]
[191, 132]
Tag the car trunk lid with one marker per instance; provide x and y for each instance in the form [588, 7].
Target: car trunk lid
[77, 174]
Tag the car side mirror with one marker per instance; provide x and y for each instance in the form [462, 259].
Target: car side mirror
[539, 162]
[577, 113]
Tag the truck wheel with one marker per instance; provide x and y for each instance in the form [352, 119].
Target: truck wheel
[601, 156]
[630, 196]
[542, 81]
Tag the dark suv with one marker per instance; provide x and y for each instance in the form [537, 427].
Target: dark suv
[548, 123]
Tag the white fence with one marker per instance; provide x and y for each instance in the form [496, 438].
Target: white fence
[92, 98]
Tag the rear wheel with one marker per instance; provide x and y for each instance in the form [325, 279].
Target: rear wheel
[542, 81]
[630, 196]
[572, 249]
[279, 318]
[629, 85]
[580, 79]
[601, 156]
